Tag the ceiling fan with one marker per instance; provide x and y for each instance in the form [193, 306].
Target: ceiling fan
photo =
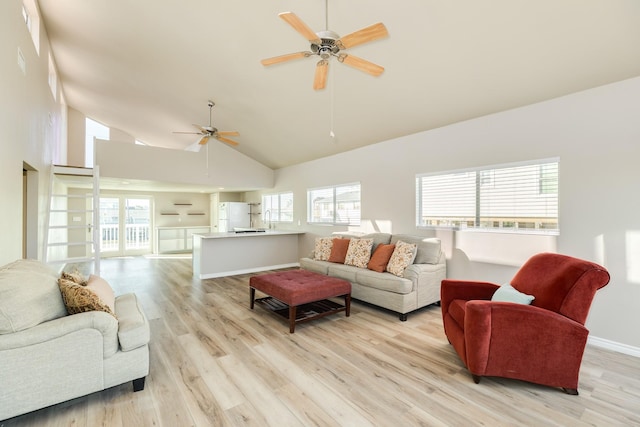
[326, 44]
[207, 132]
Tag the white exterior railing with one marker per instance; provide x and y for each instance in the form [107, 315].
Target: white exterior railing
[137, 236]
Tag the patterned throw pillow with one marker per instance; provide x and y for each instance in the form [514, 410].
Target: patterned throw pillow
[78, 298]
[75, 277]
[402, 257]
[322, 248]
[359, 252]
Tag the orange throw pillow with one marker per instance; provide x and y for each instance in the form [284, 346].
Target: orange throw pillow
[381, 257]
[339, 250]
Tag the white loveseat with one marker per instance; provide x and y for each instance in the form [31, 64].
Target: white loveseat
[48, 356]
[418, 287]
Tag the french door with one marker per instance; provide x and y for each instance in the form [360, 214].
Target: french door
[125, 225]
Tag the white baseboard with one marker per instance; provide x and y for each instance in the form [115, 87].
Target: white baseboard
[614, 346]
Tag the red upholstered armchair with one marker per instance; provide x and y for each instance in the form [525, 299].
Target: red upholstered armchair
[541, 343]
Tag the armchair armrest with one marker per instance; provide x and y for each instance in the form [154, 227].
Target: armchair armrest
[549, 344]
[465, 290]
[103, 322]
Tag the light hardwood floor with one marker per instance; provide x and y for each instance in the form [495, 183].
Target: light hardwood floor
[216, 362]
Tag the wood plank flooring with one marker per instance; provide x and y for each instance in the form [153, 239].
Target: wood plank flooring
[215, 362]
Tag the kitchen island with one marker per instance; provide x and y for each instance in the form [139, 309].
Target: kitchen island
[249, 251]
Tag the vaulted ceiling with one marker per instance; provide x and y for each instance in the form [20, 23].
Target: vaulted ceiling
[148, 67]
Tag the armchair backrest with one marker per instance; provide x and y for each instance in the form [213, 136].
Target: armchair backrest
[561, 283]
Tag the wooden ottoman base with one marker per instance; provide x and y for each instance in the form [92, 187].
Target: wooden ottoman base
[300, 289]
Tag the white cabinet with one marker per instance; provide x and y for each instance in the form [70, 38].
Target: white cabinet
[177, 239]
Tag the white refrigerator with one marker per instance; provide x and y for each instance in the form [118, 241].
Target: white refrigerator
[232, 215]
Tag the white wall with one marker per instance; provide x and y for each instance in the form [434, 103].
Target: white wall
[32, 127]
[596, 135]
[217, 166]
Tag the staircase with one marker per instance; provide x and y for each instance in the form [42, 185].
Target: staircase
[72, 225]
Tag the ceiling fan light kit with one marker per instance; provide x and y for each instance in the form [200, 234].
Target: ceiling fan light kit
[327, 44]
[207, 132]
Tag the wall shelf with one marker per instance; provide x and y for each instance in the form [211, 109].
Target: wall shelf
[182, 204]
[169, 213]
[195, 213]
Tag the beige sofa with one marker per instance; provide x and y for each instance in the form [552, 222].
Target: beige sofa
[48, 356]
[419, 286]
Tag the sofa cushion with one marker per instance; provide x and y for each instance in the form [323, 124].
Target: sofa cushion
[428, 248]
[358, 252]
[29, 295]
[380, 258]
[322, 249]
[78, 298]
[383, 281]
[378, 239]
[314, 265]
[339, 250]
[403, 255]
[345, 272]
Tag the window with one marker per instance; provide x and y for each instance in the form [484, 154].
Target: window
[32, 21]
[93, 130]
[518, 197]
[334, 205]
[279, 207]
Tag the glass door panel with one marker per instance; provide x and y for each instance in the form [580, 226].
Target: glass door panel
[138, 224]
[109, 224]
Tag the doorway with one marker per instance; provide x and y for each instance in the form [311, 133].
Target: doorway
[125, 225]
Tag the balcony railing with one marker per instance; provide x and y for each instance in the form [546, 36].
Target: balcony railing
[137, 236]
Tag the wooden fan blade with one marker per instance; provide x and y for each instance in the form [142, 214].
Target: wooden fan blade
[226, 140]
[298, 25]
[203, 140]
[189, 133]
[364, 35]
[229, 133]
[320, 79]
[284, 58]
[361, 64]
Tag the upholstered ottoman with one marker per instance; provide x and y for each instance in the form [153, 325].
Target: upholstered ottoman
[300, 289]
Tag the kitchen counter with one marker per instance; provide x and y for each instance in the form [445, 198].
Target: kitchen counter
[246, 251]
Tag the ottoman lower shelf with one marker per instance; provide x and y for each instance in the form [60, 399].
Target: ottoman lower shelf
[304, 312]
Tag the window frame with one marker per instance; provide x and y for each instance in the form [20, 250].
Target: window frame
[332, 195]
[275, 214]
[475, 208]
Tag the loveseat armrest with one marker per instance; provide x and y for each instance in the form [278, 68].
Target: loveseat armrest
[103, 322]
[426, 279]
[133, 327]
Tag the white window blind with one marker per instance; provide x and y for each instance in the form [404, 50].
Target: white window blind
[521, 197]
[334, 205]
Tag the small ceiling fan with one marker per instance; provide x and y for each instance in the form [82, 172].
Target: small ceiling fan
[207, 132]
[326, 44]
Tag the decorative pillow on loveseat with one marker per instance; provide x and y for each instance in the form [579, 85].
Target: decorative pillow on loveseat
[380, 258]
[78, 298]
[358, 252]
[403, 256]
[339, 248]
